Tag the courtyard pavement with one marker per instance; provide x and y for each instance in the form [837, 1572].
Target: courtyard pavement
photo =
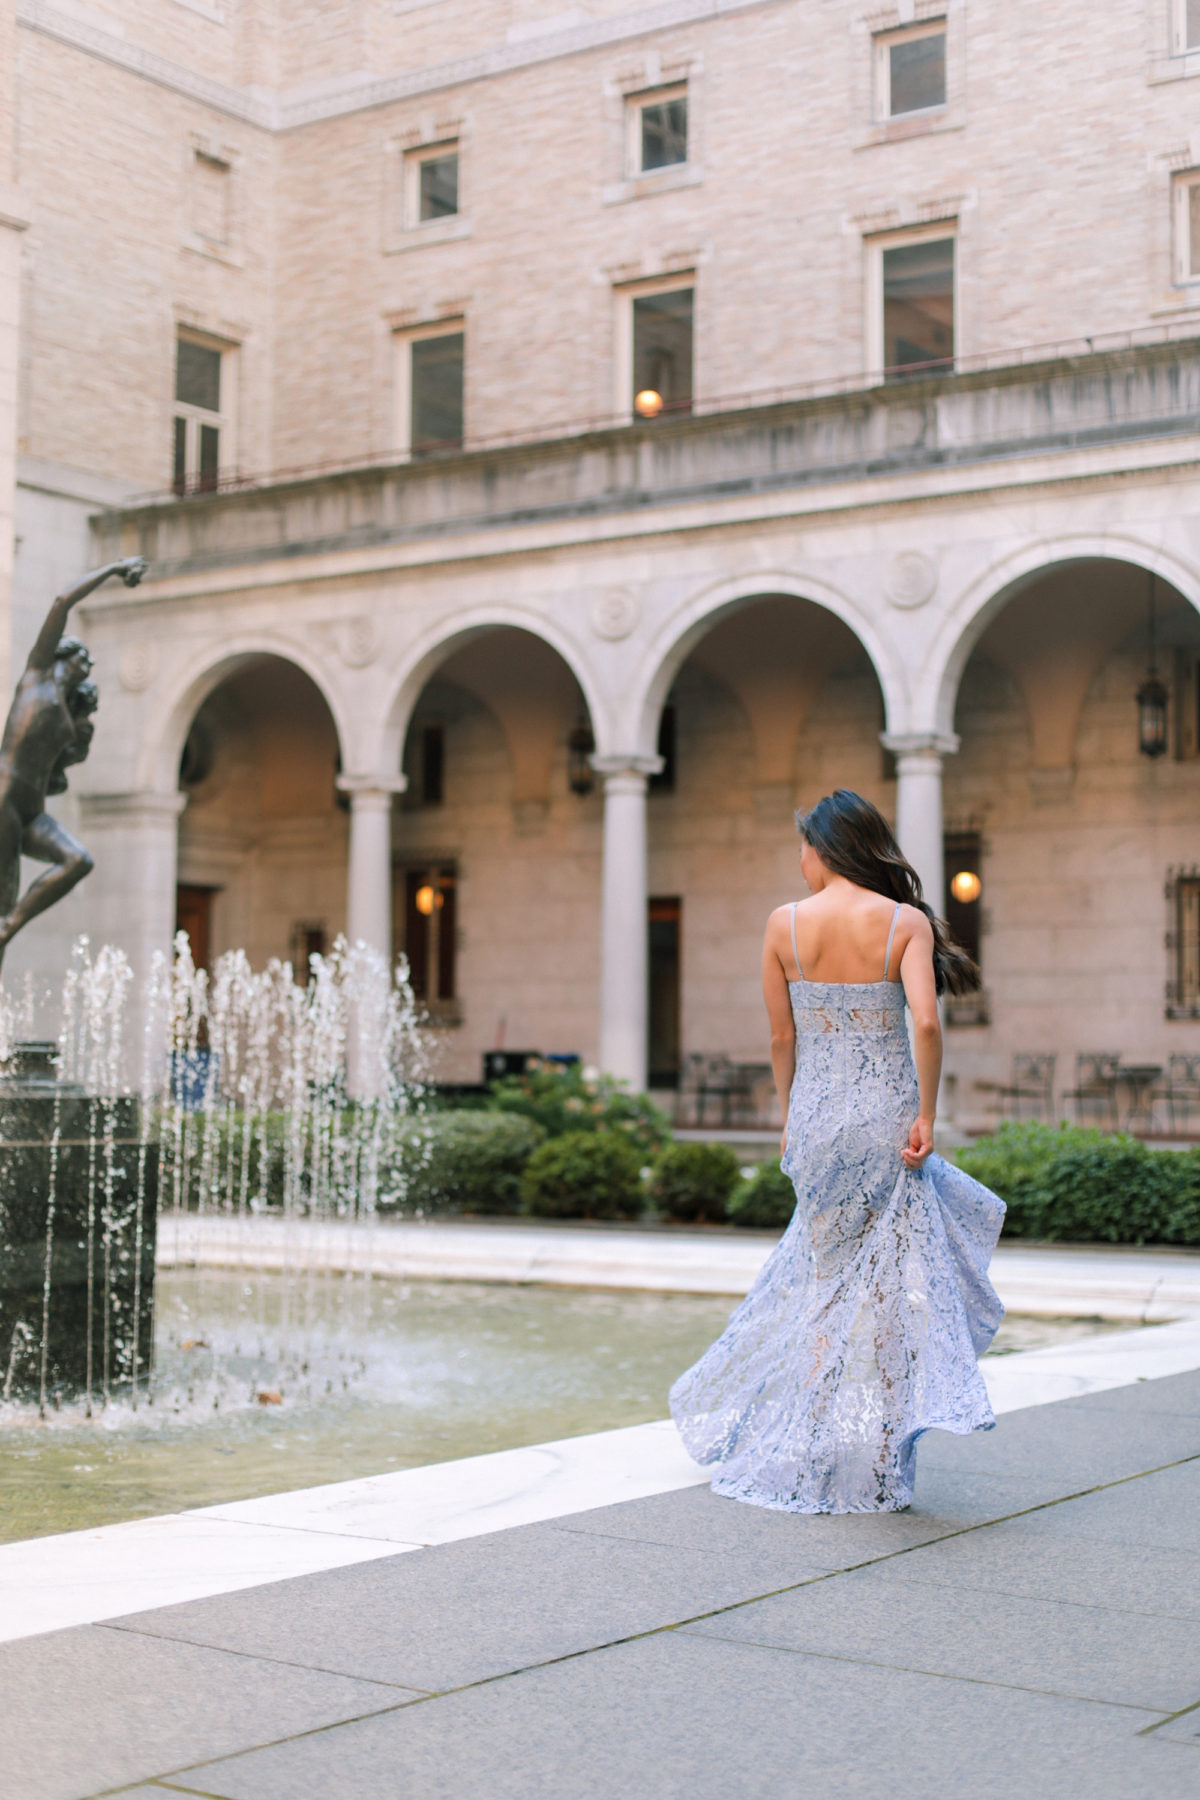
[1031, 1627]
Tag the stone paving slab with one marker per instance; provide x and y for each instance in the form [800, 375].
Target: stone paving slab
[87, 1709]
[620, 1654]
[675, 1717]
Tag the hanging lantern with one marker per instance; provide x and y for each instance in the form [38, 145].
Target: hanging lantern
[1152, 700]
[581, 777]
[648, 404]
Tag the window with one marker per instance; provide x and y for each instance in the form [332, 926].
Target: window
[432, 184]
[1187, 227]
[658, 130]
[210, 198]
[663, 971]
[1186, 32]
[429, 931]
[199, 424]
[429, 390]
[1183, 939]
[661, 329]
[910, 70]
[917, 293]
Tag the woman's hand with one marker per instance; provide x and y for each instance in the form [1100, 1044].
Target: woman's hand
[920, 1144]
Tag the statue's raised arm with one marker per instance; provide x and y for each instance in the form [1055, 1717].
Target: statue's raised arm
[49, 726]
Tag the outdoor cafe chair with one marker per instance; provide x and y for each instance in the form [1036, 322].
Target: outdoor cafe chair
[1031, 1092]
[1097, 1073]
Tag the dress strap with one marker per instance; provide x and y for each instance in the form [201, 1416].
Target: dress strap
[887, 961]
[795, 953]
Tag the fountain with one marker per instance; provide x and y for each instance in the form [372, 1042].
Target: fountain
[250, 1094]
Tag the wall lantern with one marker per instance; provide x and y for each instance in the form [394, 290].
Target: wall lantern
[428, 898]
[648, 404]
[966, 886]
[1152, 701]
[581, 777]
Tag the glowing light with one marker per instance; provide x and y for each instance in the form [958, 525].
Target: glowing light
[427, 898]
[648, 404]
[966, 886]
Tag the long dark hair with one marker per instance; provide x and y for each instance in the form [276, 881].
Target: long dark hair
[853, 838]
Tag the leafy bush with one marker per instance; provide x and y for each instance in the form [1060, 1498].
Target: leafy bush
[461, 1162]
[694, 1181]
[1078, 1185]
[569, 1098]
[583, 1174]
[766, 1200]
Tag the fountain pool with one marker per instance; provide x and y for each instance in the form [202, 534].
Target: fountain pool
[372, 1375]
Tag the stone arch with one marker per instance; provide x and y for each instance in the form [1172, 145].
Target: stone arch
[690, 622]
[978, 603]
[183, 696]
[434, 647]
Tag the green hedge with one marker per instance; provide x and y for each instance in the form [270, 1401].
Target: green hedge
[584, 1174]
[694, 1181]
[1074, 1185]
[571, 1099]
[460, 1162]
[765, 1202]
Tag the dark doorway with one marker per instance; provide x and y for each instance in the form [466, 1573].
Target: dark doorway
[429, 931]
[664, 975]
[964, 889]
[193, 914]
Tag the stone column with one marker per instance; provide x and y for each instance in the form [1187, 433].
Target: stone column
[369, 870]
[129, 898]
[919, 805]
[624, 929]
[12, 223]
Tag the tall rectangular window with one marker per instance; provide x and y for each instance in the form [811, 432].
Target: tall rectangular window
[660, 131]
[436, 393]
[432, 185]
[911, 70]
[662, 352]
[663, 998]
[199, 422]
[1191, 24]
[429, 931]
[918, 306]
[1187, 226]
[210, 198]
[1183, 897]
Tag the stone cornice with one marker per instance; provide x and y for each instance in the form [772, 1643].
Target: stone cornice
[289, 108]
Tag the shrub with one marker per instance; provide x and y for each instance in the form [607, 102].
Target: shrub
[583, 1174]
[562, 1099]
[1085, 1185]
[460, 1162]
[694, 1181]
[766, 1200]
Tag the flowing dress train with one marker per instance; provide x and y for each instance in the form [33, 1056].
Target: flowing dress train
[864, 1326]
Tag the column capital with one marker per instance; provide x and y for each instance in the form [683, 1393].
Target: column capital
[136, 808]
[364, 787]
[923, 744]
[633, 768]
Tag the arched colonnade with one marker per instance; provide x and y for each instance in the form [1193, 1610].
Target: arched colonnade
[624, 671]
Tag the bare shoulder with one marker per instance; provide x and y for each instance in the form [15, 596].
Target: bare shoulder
[916, 926]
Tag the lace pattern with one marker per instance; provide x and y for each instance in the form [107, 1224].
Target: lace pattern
[864, 1326]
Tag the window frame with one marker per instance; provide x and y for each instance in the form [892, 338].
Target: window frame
[413, 161]
[1179, 31]
[194, 417]
[875, 246]
[626, 294]
[1182, 184]
[881, 47]
[1183, 995]
[403, 340]
[635, 105]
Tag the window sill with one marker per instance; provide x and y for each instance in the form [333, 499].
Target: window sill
[1174, 1011]
[661, 181]
[439, 1015]
[419, 237]
[1174, 68]
[214, 252]
[911, 125]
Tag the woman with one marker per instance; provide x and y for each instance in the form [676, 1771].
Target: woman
[863, 1329]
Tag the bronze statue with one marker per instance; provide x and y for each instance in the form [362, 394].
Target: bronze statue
[49, 727]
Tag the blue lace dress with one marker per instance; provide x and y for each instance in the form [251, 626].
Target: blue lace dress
[863, 1329]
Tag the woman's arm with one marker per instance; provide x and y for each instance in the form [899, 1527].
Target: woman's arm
[130, 569]
[778, 1002]
[916, 972]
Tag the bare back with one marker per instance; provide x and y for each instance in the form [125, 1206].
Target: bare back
[843, 936]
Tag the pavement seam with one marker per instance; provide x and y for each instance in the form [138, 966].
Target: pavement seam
[276, 1662]
[679, 1626]
[870, 1662]
[1170, 1719]
[1126, 1612]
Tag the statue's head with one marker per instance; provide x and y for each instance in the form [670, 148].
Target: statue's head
[74, 661]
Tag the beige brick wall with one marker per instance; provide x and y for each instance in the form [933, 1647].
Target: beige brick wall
[1055, 160]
